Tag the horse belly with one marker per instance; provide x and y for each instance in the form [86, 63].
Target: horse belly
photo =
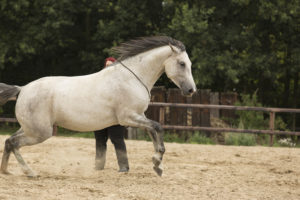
[84, 117]
[83, 124]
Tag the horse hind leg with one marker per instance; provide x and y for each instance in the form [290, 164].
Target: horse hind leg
[12, 144]
[19, 140]
[6, 153]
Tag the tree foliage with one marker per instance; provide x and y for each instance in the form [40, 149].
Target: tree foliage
[243, 45]
[235, 45]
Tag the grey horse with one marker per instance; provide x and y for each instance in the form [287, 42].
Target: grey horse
[119, 94]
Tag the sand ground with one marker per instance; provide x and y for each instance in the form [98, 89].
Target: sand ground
[66, 171]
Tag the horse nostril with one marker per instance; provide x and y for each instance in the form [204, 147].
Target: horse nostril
[191, 91]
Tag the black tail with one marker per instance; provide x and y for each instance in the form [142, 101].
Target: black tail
[8, 92]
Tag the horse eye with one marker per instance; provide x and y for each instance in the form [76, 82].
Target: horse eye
[182, 64]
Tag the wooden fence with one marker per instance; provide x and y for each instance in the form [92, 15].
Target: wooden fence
[271, 111]
[195, 113]
[186, 116]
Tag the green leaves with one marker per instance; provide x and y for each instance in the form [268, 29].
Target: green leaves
[236, 45]
[192, 20]
[241, 45]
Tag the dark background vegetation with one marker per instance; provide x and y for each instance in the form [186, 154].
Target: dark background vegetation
[235, 45]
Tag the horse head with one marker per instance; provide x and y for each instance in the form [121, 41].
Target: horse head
[178, 69]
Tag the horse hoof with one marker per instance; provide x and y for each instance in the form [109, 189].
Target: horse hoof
[5, 172]
[156, 161]
[158, 170]
[99, 168]
[33, 175]
[30, 174]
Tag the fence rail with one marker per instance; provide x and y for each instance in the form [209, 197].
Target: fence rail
[271, 111]
[3, 119]
[227, 107]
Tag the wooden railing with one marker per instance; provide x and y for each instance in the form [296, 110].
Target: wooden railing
[272, 112]
[3, 119]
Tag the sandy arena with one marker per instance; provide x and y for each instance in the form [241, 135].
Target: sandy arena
[66, 171]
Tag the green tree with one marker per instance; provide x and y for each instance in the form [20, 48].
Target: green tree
[42, 38]
[243, 45]
[235, 45]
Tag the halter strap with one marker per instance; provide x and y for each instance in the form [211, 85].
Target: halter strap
[136, 78]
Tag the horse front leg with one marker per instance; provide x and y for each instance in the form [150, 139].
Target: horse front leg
[155, 131]
[159, 147]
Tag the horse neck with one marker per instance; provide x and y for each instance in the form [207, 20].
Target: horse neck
[149, 66]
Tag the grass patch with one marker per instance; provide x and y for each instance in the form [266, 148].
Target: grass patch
[197, 138]
[8, 130]
[240, 139]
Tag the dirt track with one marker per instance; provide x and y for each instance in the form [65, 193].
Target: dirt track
[66, 169]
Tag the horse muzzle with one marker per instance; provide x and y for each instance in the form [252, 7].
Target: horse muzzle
[188, 90]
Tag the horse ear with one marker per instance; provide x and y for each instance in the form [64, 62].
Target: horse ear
[173, 48]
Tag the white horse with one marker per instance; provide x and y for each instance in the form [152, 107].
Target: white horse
[118, 94]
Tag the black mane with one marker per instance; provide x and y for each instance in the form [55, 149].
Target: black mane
[143, 44]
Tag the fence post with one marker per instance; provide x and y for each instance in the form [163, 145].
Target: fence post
[162, 115]
[54, 132]
[214, 100]
[271, 126]
[132, 133]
